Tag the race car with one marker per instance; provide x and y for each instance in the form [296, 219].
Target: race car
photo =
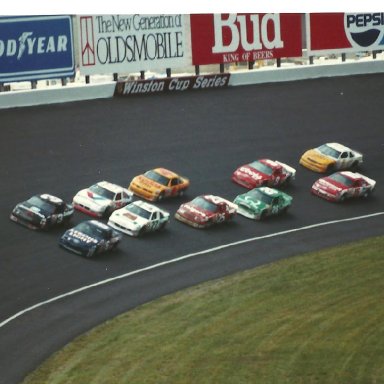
[331, 157]
[261, 202]
[343, 185]
[90, 238]
[42, 212]
[101, 199]
[137, 218]
[263, 172]
[206, 210]
[158, 183]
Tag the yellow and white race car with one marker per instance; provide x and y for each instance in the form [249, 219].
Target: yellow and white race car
[330, 157]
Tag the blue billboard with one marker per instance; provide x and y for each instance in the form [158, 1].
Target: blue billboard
[36, 47]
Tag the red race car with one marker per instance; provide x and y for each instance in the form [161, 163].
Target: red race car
[263, 172]
[343, 185]
[206, 210]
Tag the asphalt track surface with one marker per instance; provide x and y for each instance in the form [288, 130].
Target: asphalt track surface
[203, 135]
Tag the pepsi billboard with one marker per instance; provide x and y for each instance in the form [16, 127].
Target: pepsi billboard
[37, 47]
[344, 32]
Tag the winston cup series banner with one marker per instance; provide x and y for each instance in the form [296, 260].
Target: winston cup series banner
[131, 43]
[344, 32]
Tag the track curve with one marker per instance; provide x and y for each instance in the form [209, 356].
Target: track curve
[203, 135]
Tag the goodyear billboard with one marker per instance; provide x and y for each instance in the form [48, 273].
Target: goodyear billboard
[36, 47]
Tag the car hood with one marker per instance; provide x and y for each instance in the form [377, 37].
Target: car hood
[249, 172]
[330, 185]
[250, 203]
[318, 157]
[91, 197]
[81, 238]
[26, 206]
[148, 183]
[128, 219]
[197, 212]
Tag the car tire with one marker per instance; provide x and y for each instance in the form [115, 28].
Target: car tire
[108, 212]
[263, 215]
[91, 252]
[331, 168]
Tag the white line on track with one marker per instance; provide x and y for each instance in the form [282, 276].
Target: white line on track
[177, 259]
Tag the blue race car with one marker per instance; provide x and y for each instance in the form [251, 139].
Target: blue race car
[90, 238]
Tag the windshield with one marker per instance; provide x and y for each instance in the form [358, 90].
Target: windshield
[339, 178]
[204, 204]
[93, 230]
[44, 205]
[261, 167]
[258, 195]
[133, 208]
[152, 175]
[102, 192]
[327, 150]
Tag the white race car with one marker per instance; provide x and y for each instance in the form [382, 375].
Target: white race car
[137, 218]
[101, 199]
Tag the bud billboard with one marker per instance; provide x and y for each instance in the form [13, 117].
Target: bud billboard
[37, 47]
[131, 43]
[228, 38]
[329, 33]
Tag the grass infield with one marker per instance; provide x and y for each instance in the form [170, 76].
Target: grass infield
[313, 318]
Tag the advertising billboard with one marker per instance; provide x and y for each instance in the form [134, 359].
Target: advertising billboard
[329, 33]
[131, 43]
[36, 47]
[228, 38]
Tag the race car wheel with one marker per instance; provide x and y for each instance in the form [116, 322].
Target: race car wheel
[355, 166]
[160, 197]
[180, 193]
[91, 252]
[108, 212]
[366, 194]
[263, 215]
[330, 168]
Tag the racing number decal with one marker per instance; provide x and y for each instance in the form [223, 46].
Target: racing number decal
[220, 217]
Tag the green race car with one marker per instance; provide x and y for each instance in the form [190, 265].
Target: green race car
[261, 202]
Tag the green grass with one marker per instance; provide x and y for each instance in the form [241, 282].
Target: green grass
[314, 318]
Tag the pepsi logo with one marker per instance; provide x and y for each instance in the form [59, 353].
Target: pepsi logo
[364, 30]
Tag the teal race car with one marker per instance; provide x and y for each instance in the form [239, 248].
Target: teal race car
[259, 203]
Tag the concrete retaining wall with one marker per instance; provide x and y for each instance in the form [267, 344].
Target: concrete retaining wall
[52, 95]
[77, 92]
[303, 72]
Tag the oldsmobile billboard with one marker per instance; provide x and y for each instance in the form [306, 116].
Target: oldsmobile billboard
[131, 43]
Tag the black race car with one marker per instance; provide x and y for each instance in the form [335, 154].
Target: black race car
[90, 238]
[42, 212]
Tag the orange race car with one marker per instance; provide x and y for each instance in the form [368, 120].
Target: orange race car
[158, 183]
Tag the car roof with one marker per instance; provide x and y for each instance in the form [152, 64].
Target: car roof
[269, 191]
[351, 175]
[51, 199]
[99, 224]
[271, 163]
[148, 207]
[338, 147]
[166, 172]
[110, 186]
